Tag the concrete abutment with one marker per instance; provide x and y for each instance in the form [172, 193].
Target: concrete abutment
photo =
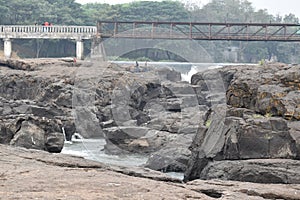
[79, 49]
[7, 48]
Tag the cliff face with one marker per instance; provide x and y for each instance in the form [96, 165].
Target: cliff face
[260, 120]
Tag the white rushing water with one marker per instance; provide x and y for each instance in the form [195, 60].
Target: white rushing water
[186, 69]
[92, 149]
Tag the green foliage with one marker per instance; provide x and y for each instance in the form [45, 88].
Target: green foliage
[39, 11]
[268, 115]
[261, 62]
[138, 11]
[257, 116]
[208, 123]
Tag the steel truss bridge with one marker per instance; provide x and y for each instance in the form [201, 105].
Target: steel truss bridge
[199, 31]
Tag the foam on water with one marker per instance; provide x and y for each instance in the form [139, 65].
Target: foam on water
[92, 149]
[187, 76]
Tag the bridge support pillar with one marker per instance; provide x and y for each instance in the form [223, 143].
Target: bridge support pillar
[7, 48]
[79, 49]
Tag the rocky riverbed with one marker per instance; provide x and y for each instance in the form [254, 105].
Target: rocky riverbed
[237, 123]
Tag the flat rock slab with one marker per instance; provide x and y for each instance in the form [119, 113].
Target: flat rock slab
[33, 174]
[232, 190]
[258, 171]
[30, 174]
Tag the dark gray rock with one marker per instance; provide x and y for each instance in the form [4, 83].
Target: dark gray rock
[239, 138]
[210, 86]
[29, 136]
[86, 121]
[259, 171]
[295, 133]
[173, 159]
[44, 111]
[32, 132]
[169, 155]
[122, 137]
[54, 142]
[261, 120]
[120, 134]
[7, 131]
[68, 127]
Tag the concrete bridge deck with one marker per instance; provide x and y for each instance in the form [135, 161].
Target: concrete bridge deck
[48, 32]
[78, 33]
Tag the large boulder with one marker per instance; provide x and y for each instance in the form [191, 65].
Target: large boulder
[210, 86]
[240, 135]
[259, 171]
[33, 132]
[29, 136]
[172, 155]
[259, 122]
[125, 139]
[86, 121]
[54, 142]
[172, 159]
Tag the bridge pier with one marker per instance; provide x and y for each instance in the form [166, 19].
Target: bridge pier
[7, 47]
[79, 49]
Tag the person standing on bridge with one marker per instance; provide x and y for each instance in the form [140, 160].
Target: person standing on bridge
[46, 24]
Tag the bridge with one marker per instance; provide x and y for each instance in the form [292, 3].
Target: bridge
[78, 33]
[200, 31]
[152, 30]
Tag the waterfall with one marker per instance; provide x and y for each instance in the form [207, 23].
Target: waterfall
[65, 137]
[64, 132]
[195, 69]
[188, 76]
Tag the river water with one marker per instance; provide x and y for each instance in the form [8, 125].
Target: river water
[92, 149]
[185, 68]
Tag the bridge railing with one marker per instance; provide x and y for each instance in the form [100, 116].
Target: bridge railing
[47, 31]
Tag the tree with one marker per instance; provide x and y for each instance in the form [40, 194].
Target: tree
[96, 11]
[291, 18]
[66, 12]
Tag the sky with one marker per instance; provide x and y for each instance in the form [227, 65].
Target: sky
[281, 7]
